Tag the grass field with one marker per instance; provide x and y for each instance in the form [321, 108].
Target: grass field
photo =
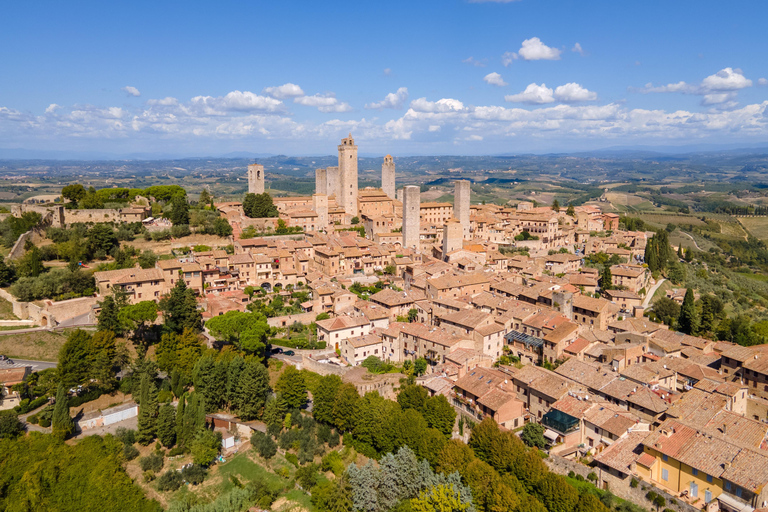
[758, 226]
[6, 310]
[38, 346]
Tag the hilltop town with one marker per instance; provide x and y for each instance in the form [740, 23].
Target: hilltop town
[558, 320]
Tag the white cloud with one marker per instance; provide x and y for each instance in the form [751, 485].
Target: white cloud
[284, 91]
[131, 91]
[762, 81]
[533, 94]
[573, 92]
[474, 138]
[532, 49]
[163, 102]
[727, 79]
[474, 62]
[440, 106]
[578, 49]
[236, 101]
[387, 71]
[494, 79]
[324, 103]
[394, 100]
[52, 108]
[434, 128]
[720, 88]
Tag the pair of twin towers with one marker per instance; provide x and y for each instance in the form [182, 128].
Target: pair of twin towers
[341, 180]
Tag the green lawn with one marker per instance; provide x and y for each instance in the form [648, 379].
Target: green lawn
[246, 470]
[756, 277]
[6, 310]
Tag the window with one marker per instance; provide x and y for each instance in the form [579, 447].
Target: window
[695, 472]
[728, 486]
[709, 479]
[665, 458]
[707, 496]
[664, 475]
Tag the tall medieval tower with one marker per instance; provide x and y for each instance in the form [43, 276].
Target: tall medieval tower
[255, 179]
[411, 217]
[347, 196]
[388, 176]
[461, 204]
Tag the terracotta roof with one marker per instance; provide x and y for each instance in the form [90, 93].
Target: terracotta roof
[342, 322]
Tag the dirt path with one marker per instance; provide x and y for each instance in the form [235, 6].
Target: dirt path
[652, 291]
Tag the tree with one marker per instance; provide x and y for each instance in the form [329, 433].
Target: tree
[73, 365]
[390, 270]
[667, 310]
[440, 414]
[556, 205]
[324, 398]
[344, 407]
[11, 427]
[73, 193]
[253, 389]
[166, 425]
[206, 447]
[259, 206]
[147, 259]
[205, 198]
[179, 214]
[292, 387]
[445, 498]
[606, 278]
[533, 435]
[419, 366]
[687, 322]
[688, 255]
[31, 264]
[147, 411]
[101, 239]
[355, 220]
[7, 273]
[136, 317]
[180, 309]
[62, 423]
[413, 314]
[556, 494]
[413, 396]
[571, 211]
[454, 456]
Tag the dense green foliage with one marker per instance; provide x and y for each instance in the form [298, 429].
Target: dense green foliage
[39, 472]
[259, 206]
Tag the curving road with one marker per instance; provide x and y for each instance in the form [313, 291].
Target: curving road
[652, 291]
[694, 240]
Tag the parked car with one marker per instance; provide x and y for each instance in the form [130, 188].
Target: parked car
[277, 350]
[289, 353]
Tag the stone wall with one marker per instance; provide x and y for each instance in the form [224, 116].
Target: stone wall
[288, 320]
[17, 251]
[308, 363]
[617, 486]
[51, 313]
[95, 216]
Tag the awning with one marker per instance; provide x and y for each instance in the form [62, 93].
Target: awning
[732, 503]
[551, 435]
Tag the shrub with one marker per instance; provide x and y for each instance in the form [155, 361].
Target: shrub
[651, 496]
[592, 477]
[165, 397]
[176, 451]
[333, 462]
[194, 474]
[307, 476]
[130, 452]
[32, 419]
[571, 474]
[292, 458]
[125, 435]
[149, 476]
[633, 483]
[153, 461]
[333, 441]
[45, 422]
[170, 481]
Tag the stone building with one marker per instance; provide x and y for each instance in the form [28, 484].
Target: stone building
[411, 213]
[461, 204]
[255, 179]
[347, 196]
[388, 176]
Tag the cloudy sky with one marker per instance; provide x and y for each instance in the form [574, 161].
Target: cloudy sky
[405, 77]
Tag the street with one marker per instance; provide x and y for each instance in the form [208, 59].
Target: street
[36, 365]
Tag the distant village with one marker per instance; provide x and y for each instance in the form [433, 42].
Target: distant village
[499, 302]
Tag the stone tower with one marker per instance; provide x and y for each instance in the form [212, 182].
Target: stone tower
[255, 179]
[461, 204]
[347, 196]
[320, 205]
[321, 181]
[411, 217]
[332, 182]
[453, 237]
[388, 176]
[562, 301]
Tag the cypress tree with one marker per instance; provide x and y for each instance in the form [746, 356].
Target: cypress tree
[253, 389]
[687, 321]
[180, 419]
[147, 411]
[166, 425]
[61, 421]
[606, 278]
[235, 394]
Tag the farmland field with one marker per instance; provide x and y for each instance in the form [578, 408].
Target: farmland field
[758, 226]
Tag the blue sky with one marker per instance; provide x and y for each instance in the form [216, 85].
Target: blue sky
[427, 77]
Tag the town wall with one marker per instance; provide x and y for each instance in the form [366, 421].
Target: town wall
[17, 251]
[95, 216]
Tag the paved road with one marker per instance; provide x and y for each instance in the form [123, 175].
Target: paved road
[649, 295]
[36, 365]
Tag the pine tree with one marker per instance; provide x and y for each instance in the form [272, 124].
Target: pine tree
[166, 425]
[606, 278]
[556, 205]
[293, 388]
[180, 309]
[235, 395]
[687, 322]
[253, 389]
[570, 211]
[147, 411]
[62, 423]
[680, 251]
